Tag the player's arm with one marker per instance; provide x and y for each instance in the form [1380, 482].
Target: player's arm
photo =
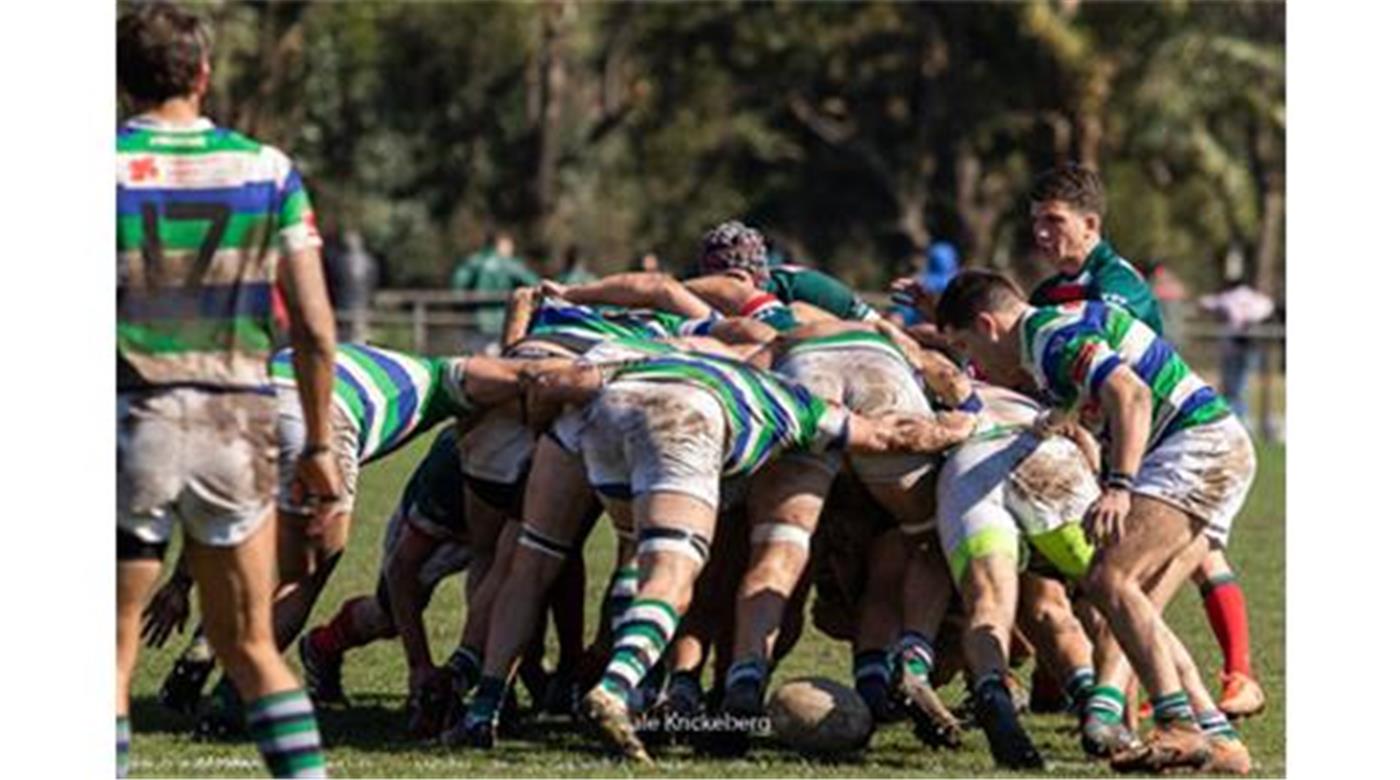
[1127, 402]
[907, 432]
[518, 313]
[313, 361]
[406, 600]
[640, 290]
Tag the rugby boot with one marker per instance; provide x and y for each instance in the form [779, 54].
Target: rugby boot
[182, 688]
[322, 673]
[1179, 744]
[996, 714]
[683, 701]
[934, 724]
[1240, 696]
[1101, 738]
[471, 730]
[743, 701]
[1228, 756]
[609, 716]
[222, 718]
[561, 696]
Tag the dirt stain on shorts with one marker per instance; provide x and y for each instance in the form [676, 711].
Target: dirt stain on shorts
[1050, 476]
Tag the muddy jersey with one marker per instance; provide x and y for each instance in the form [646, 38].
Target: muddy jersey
[765, 413]
[388, 396]
[204, 218]
[1071, 349]
[590, 325]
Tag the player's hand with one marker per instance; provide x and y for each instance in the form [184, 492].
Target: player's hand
[552, 289]
[317, 487]
[892, 331]
[167, 613]
[1103, 523]
[909, 291]
[1055, 422]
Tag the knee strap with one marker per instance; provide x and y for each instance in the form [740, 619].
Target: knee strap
[675, 540]
[781, 533]
[543, 543]
[131, 547]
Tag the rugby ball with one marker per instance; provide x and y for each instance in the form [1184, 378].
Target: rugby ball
[815, 715]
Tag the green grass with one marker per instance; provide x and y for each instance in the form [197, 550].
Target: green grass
[365, 741]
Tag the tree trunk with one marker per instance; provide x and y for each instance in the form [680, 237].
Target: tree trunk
[554, 82]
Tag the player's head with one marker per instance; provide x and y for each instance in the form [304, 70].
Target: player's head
[734, 246]
[1067, 212]
[162, 53]
[978, 313]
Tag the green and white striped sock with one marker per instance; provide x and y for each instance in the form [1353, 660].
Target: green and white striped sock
[643, 632]
[1106, 704]
[1172, 708]
[1216, 725]
[123, 745]
[284, 726]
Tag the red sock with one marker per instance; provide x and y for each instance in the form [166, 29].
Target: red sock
[1224, 603]
[338, 635]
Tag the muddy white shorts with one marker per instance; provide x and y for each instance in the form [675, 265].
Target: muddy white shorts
[1205, 470]
[645, 437]
[291, 440]
[995, 495]
[871, 382]
[204, 460]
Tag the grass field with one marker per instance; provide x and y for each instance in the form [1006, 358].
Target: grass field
[366, 740]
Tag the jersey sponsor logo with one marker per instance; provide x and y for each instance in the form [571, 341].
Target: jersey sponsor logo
[142, 168]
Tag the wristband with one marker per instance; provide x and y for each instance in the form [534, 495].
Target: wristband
[971, 404]
[1119, 479]
[312, 450]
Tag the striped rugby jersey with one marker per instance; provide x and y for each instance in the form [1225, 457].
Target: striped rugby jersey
[1071, 349]
[204, 215]
[766, 413]
[591, 325]
[856, 339]
[390, 397]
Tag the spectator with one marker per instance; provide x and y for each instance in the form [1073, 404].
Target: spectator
[354, 275]
[493, 269]
[940, 266]
[575, 270]
[1238, 306]
[647, 261]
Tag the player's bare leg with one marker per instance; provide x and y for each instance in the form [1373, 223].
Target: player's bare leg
[878, 624]
[557, 502]
[675, 530]
[136, 580]
[1155, 534]
[235, 589]
[785, 502]
[1047, 617]
[990, 592]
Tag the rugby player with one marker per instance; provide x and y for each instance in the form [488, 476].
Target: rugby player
[381, 400]
[1068, 206]
[1177, 469]
[656, 440]
[209, 221]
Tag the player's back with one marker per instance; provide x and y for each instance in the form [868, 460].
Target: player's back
[204, 215]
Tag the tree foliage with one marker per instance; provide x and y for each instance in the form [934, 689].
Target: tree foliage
[851, 133]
